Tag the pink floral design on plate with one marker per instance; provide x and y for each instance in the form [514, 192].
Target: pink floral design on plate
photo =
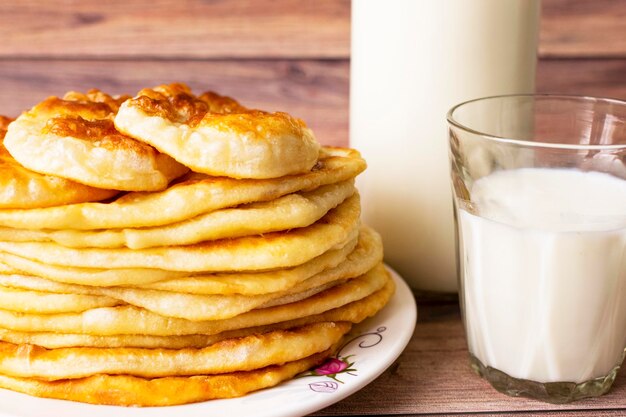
[342, 364]
[331, 367]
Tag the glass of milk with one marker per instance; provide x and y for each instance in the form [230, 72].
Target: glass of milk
[539, 184]
[411, 61]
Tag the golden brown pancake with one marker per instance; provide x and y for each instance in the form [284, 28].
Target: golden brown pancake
[353, 312]
[216, 135]
[21, 188]
[262, 282]
[237, 354]
[44, 302]
[21, 292]
[272, 250]
[104, 277]
[119, 320]
[236, 282]
[136, 391]
[181, 303]
[75, 138]
[284, 213]
[192, 195]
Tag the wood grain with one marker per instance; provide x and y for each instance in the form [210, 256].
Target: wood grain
[316, 91]
[595, 77]
[255, 28]
[174, 29]
[583, 28]
[432, 376]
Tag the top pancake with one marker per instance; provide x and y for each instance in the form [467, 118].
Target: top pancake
[22, 188]
[216, 135]
[75, 138]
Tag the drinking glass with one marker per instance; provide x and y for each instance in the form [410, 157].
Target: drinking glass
[539, 192]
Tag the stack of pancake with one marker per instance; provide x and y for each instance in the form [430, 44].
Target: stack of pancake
[171, 248]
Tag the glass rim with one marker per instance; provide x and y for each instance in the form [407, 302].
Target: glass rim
[530, 143]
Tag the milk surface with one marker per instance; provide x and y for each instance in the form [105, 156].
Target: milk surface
[411, 61]
[544, 259]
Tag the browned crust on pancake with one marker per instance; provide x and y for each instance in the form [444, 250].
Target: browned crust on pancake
[89, 117]
[21, 188]
[230, 355]
[97, 96]
[74, 137]
[176, 103]
[94, 104]
[4, 124]
[101, 132]
[135, 391]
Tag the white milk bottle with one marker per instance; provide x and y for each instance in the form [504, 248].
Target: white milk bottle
[411, 61]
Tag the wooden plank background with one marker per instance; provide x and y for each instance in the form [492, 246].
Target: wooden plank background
[277, 54]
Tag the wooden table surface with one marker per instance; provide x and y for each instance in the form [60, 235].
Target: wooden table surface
[433, 377]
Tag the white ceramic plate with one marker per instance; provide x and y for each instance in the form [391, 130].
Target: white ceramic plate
[374, 346]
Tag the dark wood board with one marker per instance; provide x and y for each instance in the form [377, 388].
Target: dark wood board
[315, 90]
[183, 29]
[255, 28]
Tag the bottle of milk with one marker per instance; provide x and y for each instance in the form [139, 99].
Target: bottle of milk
[411, 61]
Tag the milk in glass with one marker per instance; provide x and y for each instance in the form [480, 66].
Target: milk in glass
[543, 253]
